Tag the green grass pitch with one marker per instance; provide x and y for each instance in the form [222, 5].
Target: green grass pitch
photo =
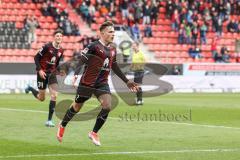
[207, 128]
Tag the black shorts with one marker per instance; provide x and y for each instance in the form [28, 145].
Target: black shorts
[50, 79]
[138, 76]
[86, 92]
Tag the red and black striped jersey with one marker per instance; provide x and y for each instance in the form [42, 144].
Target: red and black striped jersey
[48, 58]
[98, 60]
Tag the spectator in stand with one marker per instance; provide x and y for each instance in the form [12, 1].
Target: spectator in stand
[64, 13]
[103, 10]
[25, 22]
[148, 31]
[238, 7]
[112, 10]
[146, 14]
[207, 18]
[75, 30]
[183, 15]
[124, 8]
[195, 16]
[136, 33]
[83, 10]
[154, 13]
[189, 17]
[194, 33]
[67, 29]
[130, 22]
[169, 8]
[181, 35]
[203, 33]
[218, 58]
[175, 20]
[214, 47]
[227, 8]
[219, 26]
[32, 24]
[221, 10]
[232, 26]
[45, 10]
[92, 12]
[188, 34]
[138, 11]
[225, 54]
[195, 53]
[55, 12]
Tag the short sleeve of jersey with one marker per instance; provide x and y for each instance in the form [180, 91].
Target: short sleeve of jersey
[87, 52]
[43, 50]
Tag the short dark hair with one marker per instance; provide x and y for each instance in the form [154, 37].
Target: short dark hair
[105, 25]
[58, 31]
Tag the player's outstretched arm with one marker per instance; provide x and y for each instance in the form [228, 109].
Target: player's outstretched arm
[130, 84]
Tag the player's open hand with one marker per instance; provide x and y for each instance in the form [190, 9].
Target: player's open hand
[42, 74]
[134, 87]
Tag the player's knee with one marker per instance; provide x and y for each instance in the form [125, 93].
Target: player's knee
[54, 96]
[77, 107]
[106, 106]
[41, 98]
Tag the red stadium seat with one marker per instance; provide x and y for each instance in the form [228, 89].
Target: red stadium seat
[94, 26]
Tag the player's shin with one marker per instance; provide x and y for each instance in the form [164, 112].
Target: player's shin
[101, 118]
[52, 105]
[139, 94]
[68, 116]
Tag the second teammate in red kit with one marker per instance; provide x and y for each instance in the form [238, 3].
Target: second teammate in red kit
[47, 61]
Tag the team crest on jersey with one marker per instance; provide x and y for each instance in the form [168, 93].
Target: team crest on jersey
[53, 60]
[85, 50]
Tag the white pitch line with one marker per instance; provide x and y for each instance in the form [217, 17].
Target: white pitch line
[22, 110]
[115, 118]
[122, 153]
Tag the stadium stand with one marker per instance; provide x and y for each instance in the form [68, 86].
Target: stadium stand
[13, 36]
[164, 42]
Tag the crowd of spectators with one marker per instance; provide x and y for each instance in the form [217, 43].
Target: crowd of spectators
[193, 19]
[222, 55]
[130, 13]
[60, 15]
